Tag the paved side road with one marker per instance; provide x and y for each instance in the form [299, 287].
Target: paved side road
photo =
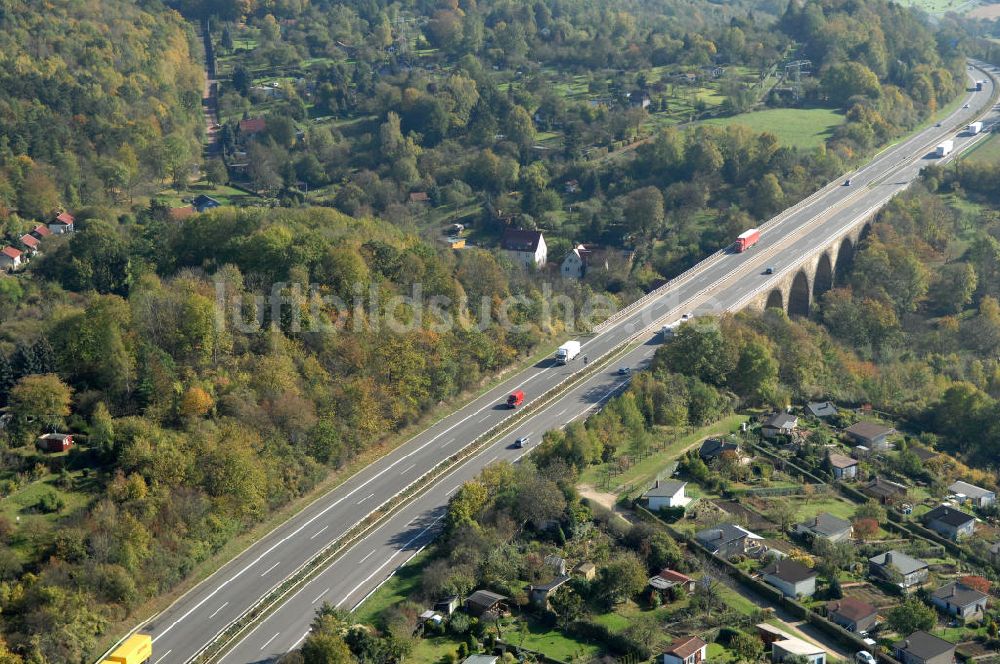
[717, 284]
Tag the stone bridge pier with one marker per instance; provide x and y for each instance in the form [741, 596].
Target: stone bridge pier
[798, 287]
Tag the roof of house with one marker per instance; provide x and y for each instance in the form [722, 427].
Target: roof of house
[65, 218]
[924, 646]
[10, 252]
[723, 534]
[841, 461]
[851, 608]
[42, 230]
[665, 488]
[480, 659]
[519, 239]
[781, 420]
[485, 599]
[56, 436]
[201, 200]
[826, 524]
[869, 430]
[686, 647]
[419, 197]
[674, 575]
[585, 567]
[883, 487]
[821, 408]
[788, 570]
[970, 490]
[959, 594]
[796, 646]
[949, 515]
[253, 125]
[923, 453]
[903, 563]
[713, 447]
[551, 585]
[29, 241]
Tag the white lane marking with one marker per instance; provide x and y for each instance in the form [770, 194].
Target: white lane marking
[559, 414]
[369, 554]
[268, 642]
[452, 490]
[365, 498]
[492, 459]
[483, 418]
[320, 596]
[301, 639]
[319, 532]
[217, 610]
[270, 569]
[448, 442]
[410, 467]
[389, 559]
[163, 656]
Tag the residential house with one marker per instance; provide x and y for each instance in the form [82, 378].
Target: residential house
[539, 594]
[844, 467]
[860, 452]
[668, 578]
[571, 186]
[725, 540]
[448, 605]
[525, 247]
[898, 568]
[30, 243]
[950, 522]
[713, 448]
[203, 202]
[485, 602]
[978, 496]
[587, 570]
[691, 650]
[825, 526]
[884, 491]
[872, 435]
[638, 99]
[852, 614]
[923, 648]
[821, 409]
[63, 223]
[55, 442]
[252, 126]
[41, 231]
[10, 258]
[419, 197]
[666, 493]
[797, 648]
[959, 600]
[769, 634]
[481, 659]
[779, 424]
[431, 616]
[791, 577]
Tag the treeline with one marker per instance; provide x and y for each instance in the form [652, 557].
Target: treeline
[99, 99]
[200, 404]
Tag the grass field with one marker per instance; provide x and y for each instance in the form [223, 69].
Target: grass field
[987, 152]
[222, 193]
[798, 127]
[937, 6]
[836, 506]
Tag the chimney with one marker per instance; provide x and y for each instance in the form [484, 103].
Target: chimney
[888, 557]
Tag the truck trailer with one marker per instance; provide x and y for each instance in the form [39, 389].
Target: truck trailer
[567, 352]
[515, 399]
[136, 649]
[974, 128]
[747, 239]
[944, 149]
[979, 86]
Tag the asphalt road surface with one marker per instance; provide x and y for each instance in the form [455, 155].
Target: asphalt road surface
[722, 282]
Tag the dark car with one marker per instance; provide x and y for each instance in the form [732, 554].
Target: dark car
[624, 371]
[769, 270]
[521, 442]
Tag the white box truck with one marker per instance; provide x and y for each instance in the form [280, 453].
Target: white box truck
[974, 128]
[944, 149]
[669, 330]
[567, 352]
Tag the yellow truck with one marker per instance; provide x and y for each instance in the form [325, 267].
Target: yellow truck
[136, 649]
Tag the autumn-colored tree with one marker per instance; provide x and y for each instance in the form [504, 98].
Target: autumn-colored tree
[195, 402]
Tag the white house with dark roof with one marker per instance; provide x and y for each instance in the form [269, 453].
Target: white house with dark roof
[978, 496]
[791, 577]
[844, 467]
[958, 599]
[825, 526]
[896, 567]
[872, 435]
[950, 522]
[666, 493]
[821, 409]
[923, 648]
[779, 424]
[525, 247]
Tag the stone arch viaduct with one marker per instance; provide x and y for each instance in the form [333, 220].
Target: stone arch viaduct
[799, 286]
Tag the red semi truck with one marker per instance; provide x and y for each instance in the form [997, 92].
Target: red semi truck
[515, 399]
[747, 239]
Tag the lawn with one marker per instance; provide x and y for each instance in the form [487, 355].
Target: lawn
[798, 127]
[986, 152]
[222, 193]
[836, 506]
[549, 641]
[645, 471]
[401, 586]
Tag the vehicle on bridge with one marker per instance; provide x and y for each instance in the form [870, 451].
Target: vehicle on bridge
[747, 239]
[136, 649]
[567, 352]
[515, 399]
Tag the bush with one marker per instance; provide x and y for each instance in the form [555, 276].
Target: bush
[49, 503]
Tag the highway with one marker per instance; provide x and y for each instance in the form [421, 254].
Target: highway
[719, 283]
